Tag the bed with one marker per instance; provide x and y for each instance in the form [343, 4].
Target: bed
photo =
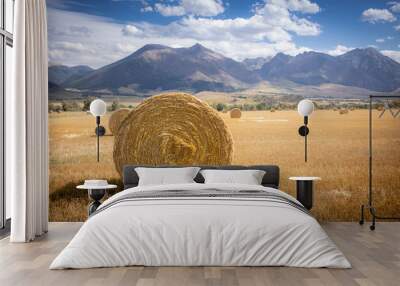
[198, 224]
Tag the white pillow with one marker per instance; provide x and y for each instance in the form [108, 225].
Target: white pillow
[166, 176]
[248, 177]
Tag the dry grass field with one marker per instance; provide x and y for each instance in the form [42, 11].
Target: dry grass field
[338, 153]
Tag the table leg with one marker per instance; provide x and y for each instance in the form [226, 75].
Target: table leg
[305, 193]
[96, 196]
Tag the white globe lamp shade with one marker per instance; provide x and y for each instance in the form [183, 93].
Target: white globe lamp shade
[98, 107]
[305, 107]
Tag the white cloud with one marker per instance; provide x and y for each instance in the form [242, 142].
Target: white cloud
[69, 46]
[380, 40]
[131, 30]
[168, 10]
[204, 8]
[389, 38]
[276, 13]
[58, 51]
[303, 6]
[73, 30]
[339, 50]
[147, 9]
[395, 55]
[397, 28]
[268, 31]
[395, 6]
[377, 16]
[96, 50]
[125, 48]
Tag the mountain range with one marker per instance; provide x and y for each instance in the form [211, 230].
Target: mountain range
[158, 68]
[364, 68]
[59, 74]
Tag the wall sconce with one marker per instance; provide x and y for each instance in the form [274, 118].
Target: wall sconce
[305, 108]
[98, 108]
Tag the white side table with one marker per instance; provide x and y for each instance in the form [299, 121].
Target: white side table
[304, 190]
[96, 193]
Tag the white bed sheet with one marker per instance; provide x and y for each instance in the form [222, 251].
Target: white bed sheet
[200, 232]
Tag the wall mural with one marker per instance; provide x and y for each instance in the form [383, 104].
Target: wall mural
[218, 82]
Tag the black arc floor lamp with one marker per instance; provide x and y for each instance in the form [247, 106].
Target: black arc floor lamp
[305, 108]
[370, 206]
[98, 108]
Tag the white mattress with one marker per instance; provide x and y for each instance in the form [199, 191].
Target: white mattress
[200, 232]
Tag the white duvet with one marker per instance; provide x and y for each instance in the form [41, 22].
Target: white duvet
[200, 231]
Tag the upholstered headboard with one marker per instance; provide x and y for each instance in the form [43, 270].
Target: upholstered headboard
[271, 177]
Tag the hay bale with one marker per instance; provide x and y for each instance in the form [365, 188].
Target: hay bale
[343, 111]
[116, 119]
[173, 129]
[236, 113]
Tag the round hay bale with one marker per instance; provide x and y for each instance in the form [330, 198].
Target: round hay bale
[236, 113]
[116, 119]
[173, 129]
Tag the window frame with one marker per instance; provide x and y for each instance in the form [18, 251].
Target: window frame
[6, 39]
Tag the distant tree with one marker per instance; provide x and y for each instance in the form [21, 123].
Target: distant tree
[69, 106]
[64, 106]
[261, 106]
[114, 105]
[220, 107]
[86, 103]
[236, 106]
[396, 103]
[248, 107]
[52, 107]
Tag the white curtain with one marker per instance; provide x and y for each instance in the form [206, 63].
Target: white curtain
[27, 151]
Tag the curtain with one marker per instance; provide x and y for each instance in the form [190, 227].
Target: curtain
[27, 152]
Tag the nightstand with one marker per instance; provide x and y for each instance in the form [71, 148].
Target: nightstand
[304, 190]
[96, 193]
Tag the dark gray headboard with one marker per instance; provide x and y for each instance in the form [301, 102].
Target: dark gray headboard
[271, 177]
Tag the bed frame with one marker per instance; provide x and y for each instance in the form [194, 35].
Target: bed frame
[271, 177]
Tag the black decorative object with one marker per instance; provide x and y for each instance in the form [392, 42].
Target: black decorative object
[96, 195]
[370, 206]
[100, 130]
[96, 190]
[304, 190]
[304, 131]
[304, 193]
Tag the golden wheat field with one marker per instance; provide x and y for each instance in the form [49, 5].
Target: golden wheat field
[338, 153]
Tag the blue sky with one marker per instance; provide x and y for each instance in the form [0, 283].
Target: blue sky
[98, 32]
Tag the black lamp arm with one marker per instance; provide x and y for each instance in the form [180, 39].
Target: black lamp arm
[305, 138]
[98, 137]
